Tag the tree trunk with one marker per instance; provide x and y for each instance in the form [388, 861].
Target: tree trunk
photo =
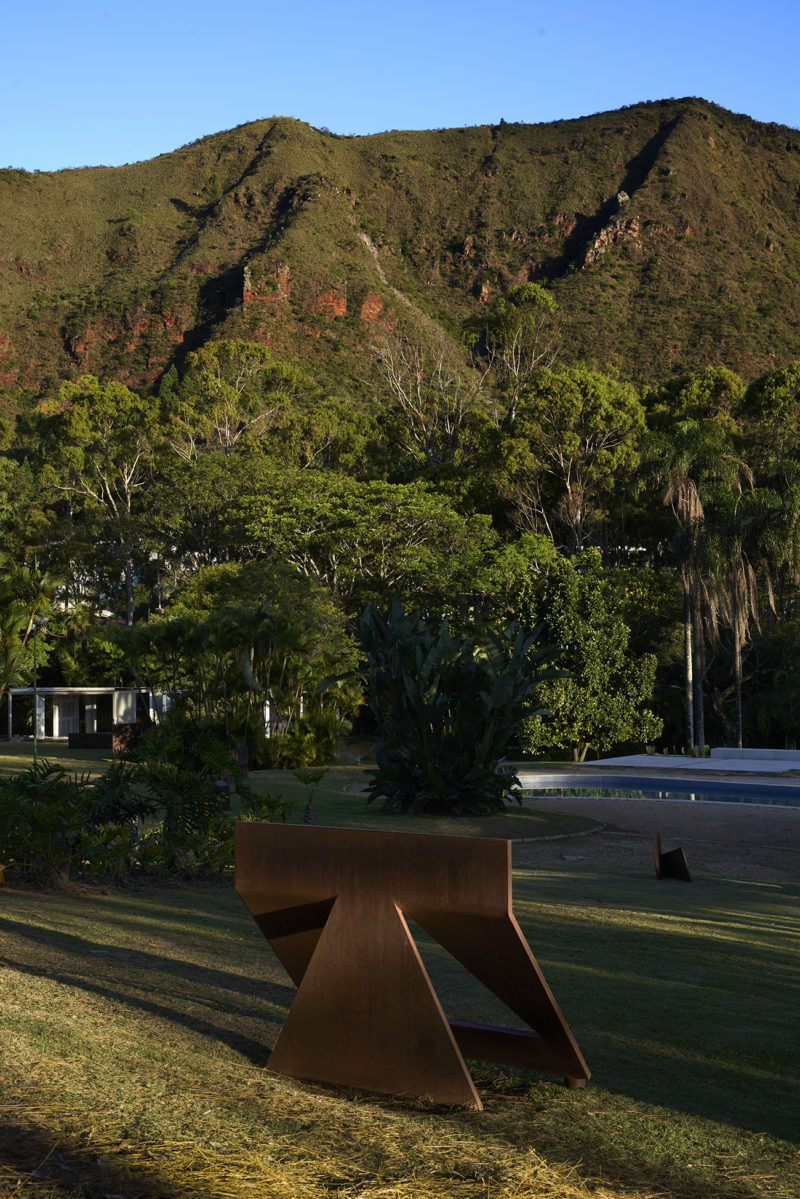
[698, 671]
[128, 584]
[737, 685]
[688, 674]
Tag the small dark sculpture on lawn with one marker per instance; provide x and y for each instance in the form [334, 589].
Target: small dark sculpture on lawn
[672, 864]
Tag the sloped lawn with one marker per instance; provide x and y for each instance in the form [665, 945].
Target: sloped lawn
[136, 1028]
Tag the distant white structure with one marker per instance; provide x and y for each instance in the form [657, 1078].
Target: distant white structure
[83, 709]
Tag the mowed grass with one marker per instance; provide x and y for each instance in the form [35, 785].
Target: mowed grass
[339, 800]
[18, 755]
[136, 1028]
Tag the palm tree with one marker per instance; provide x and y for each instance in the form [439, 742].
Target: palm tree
[684, 462]
[738, 545]
[25, 593]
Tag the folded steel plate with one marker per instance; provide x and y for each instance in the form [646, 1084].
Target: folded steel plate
[333, 904]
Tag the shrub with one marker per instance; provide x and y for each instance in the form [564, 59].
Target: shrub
[54, 825]
[179, 762]
[446, 707]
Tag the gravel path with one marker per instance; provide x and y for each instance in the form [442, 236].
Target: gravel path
[733, 839]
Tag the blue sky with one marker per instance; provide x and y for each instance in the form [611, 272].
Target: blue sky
[108, 81]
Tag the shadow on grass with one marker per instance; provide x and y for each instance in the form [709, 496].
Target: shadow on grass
[149, 982]
[683, 999]
[683, 996]
[55, 1164]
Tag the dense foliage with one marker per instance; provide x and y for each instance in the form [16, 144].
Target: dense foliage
[604, 699]
[54, 825]
[159, 810]
[446, 706]
[220, 545]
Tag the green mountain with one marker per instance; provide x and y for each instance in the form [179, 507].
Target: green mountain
[669, 233]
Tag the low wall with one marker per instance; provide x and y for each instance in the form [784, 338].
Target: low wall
[760, 755]
[89, 740]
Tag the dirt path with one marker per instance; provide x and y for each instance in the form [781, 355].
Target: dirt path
[739, 840]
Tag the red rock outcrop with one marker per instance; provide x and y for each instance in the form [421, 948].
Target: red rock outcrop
[274, 286]
[329, 303]
[372, 307]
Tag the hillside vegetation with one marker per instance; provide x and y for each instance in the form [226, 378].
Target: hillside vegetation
[546, 376]
[668, 233]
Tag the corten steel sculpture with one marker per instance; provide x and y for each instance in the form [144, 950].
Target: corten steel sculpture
[333, 904]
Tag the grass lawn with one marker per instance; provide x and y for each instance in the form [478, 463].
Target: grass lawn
[18, 755]
[136, 1027]
[337, 802]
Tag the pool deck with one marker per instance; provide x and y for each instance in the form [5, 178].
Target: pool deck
[733, 765]
[738, 816]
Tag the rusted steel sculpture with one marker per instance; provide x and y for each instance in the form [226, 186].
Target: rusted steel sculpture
[333, 904]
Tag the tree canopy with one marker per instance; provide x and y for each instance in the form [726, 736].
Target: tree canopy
[244, 500]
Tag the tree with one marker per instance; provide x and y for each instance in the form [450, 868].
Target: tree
[100, 449]
[734, 536]
[772, 446]
[229, 395]
[772, 409]
[198, 513]
[367, 540]
[446, 707]
[514, 337]
[714, 393]
[241, 641]
[690, 448]
[574, 441]
[605, 700]
[435, 398]
[24, 516]
[25, 594]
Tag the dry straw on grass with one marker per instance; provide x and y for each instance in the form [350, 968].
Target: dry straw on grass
[100, 1162]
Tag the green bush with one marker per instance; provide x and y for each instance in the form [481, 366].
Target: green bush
[178, 763]
[54, 825]
[155, 812]
[446, 707]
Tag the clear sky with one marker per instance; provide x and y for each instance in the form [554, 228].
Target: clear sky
[88, 82]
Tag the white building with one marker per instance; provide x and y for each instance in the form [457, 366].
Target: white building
[64, 710]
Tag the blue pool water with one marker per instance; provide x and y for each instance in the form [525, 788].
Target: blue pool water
[582, 784]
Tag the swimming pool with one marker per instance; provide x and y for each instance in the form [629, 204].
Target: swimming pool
[584, 784]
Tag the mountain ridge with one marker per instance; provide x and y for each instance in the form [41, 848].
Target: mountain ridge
[669, 233]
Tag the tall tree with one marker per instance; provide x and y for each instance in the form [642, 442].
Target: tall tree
[25, 595]
[230, 394]
[366, 540]
[100, 450]
[574, 442]
[737, 523]
[605, 700]
[247, 648]
[512, 338]
[692, 444]
[771, 407]
[434, 404]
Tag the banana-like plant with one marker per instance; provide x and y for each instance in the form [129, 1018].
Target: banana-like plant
[446, 707]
